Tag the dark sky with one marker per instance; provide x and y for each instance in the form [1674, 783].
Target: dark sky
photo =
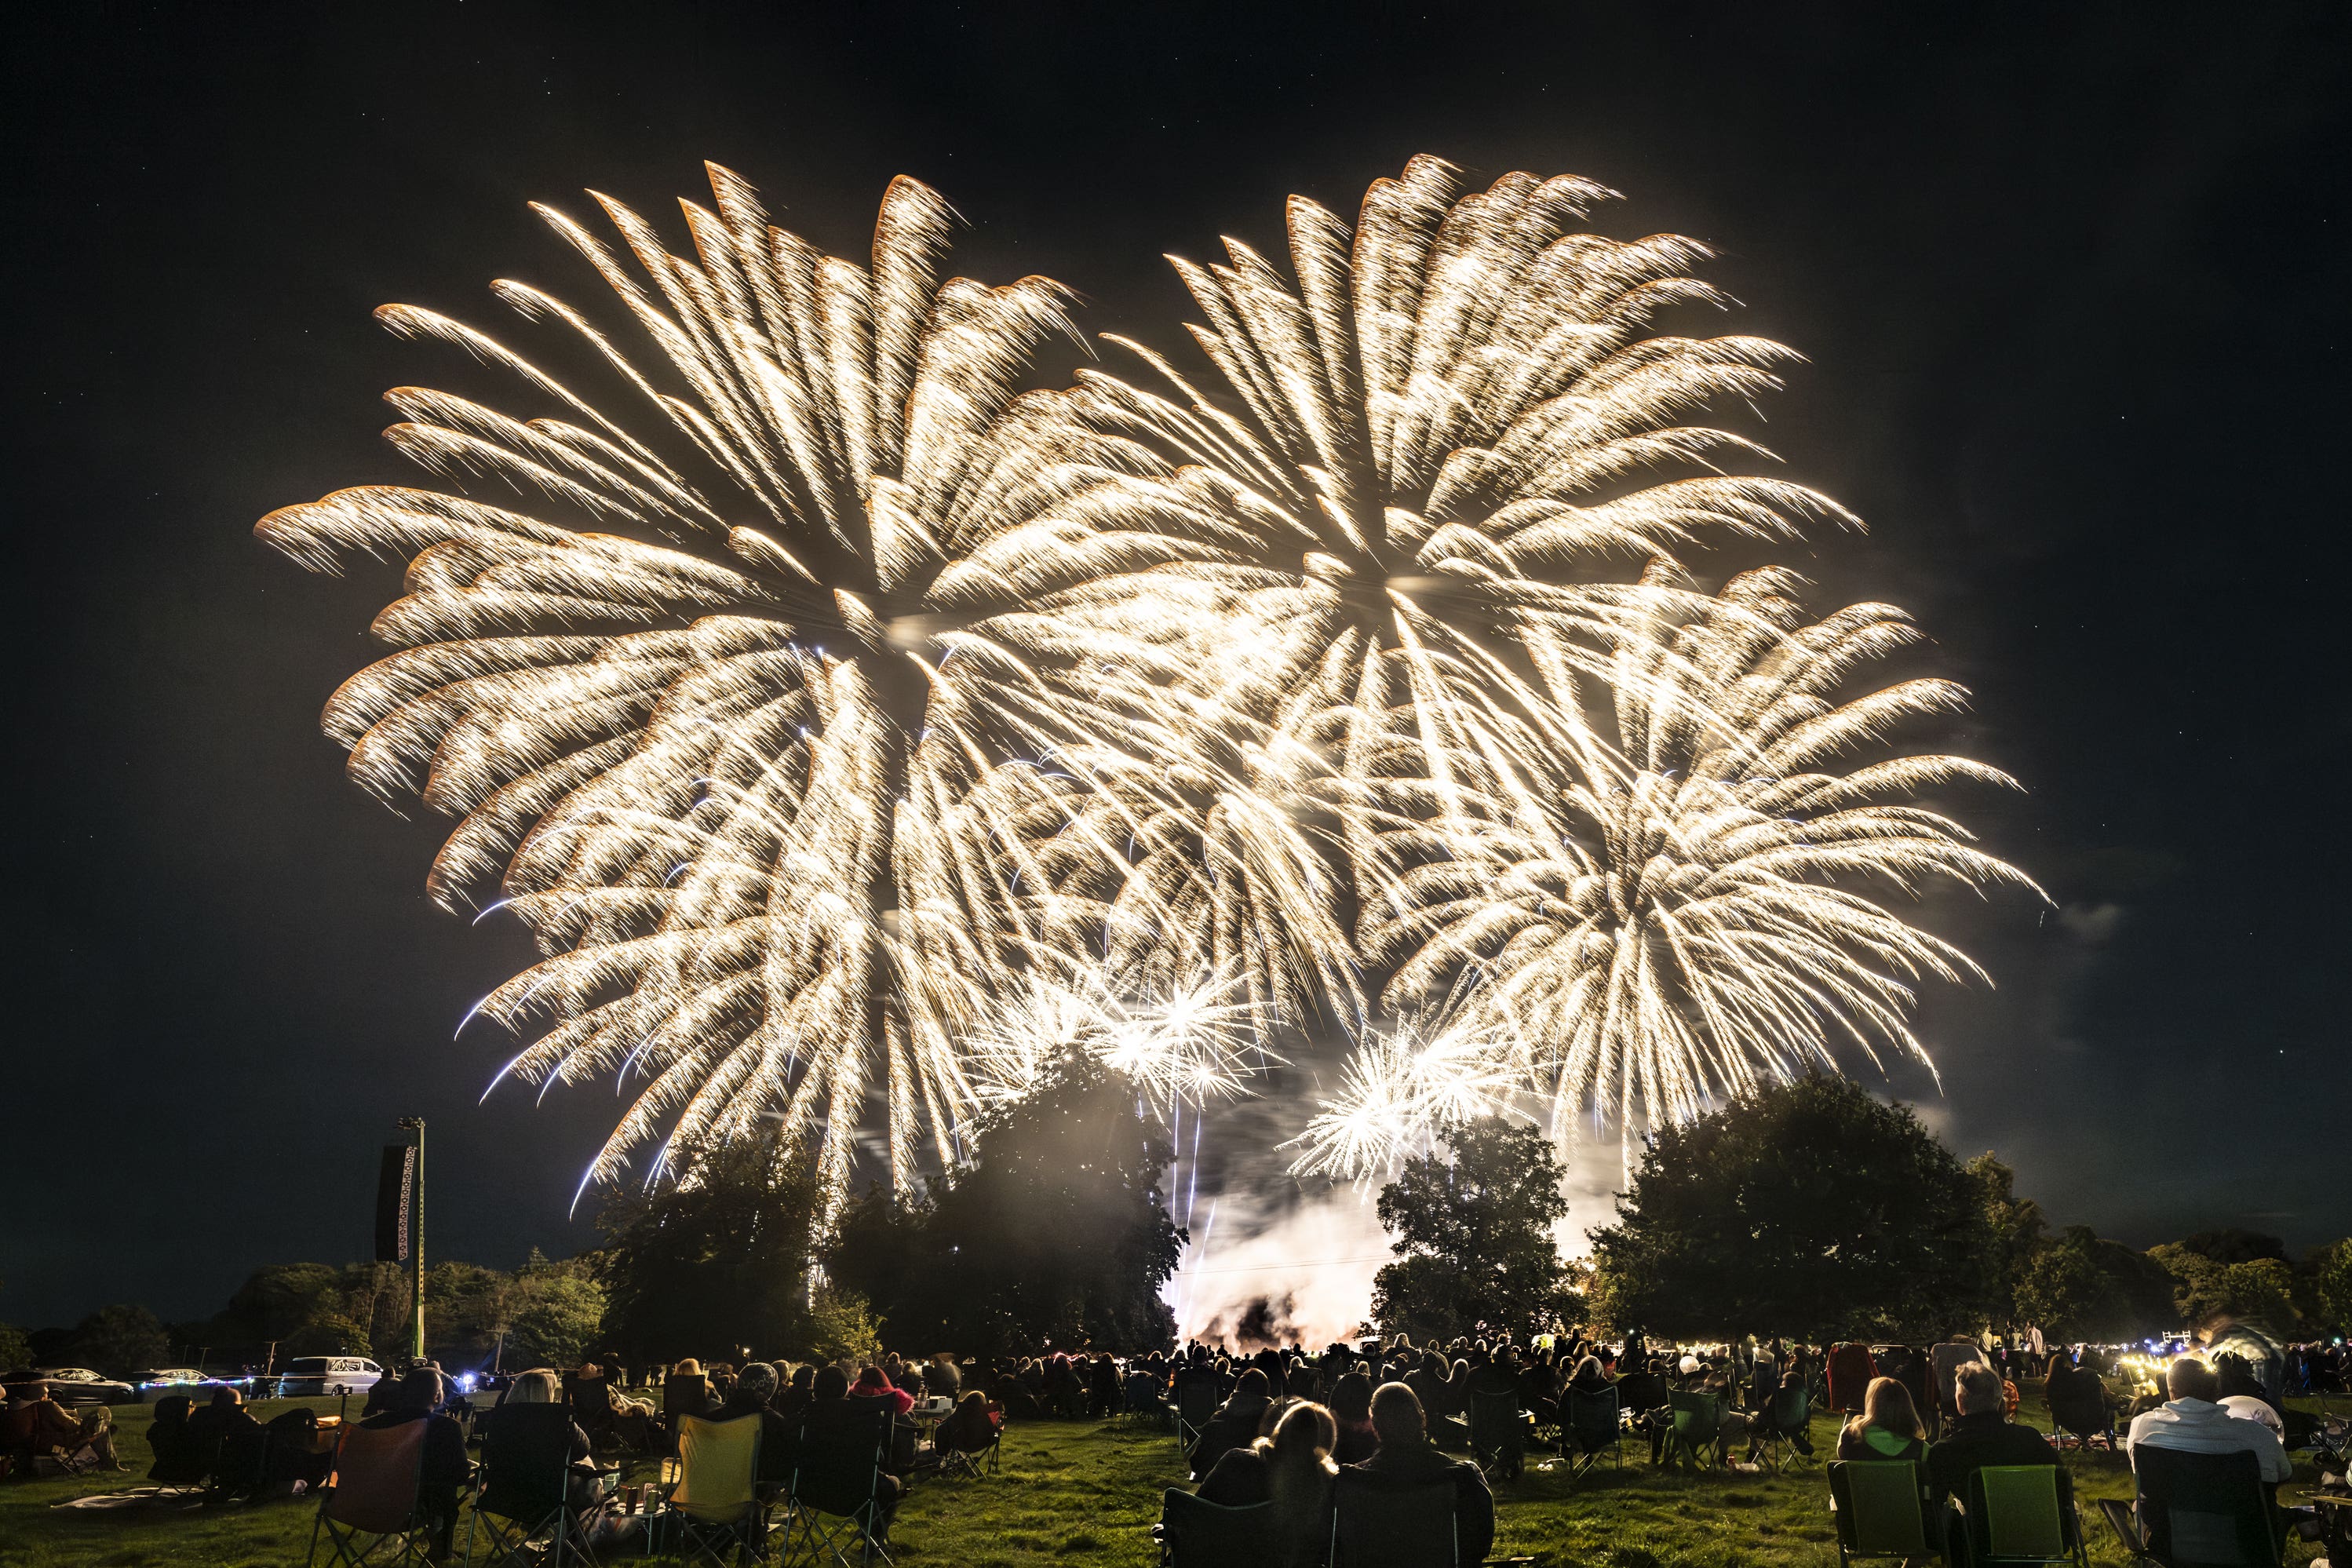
[2071, 280]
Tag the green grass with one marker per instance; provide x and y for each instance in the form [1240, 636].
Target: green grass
[1079, 1492]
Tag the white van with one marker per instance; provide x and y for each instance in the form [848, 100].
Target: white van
[312, 1375]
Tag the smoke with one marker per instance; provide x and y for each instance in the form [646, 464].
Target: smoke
[1272, 1262]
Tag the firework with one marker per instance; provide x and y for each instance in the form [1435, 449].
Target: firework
[752, 686]
[1400, 1088]
[1440, 444]
[1180, 1044]
[1695, 905]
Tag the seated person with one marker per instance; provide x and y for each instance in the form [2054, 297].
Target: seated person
[971, 1427]
[794, 1398]
[584, 1486]
[632, 1418]
[235, 1444]
[38, 1425]
[1406, 1458]
[873, 1383]
[1765, 1418]
[1887, 1427]
[1292, 1471]
[1235, 1424]
[2194, 1421]
[446, 1468]
[1980, 1435]
[1351, 1415]
[831, 1414]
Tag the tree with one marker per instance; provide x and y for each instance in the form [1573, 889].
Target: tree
[1055, 1232]
[2079, 1286]
[1806, 1209]
[1473, 1235]
[15, 1349]
[2206, 1291]
[2235, 1246]
[2015, 1228]
[717, 1259]
[556, 1311]
[2327, 1273]
[121, 1339]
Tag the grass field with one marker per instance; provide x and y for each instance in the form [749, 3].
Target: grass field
[1077, 1492]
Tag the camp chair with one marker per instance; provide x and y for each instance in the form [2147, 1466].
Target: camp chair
[957, 1459]
[834, 1502]
[370, 1503]
[1197, 1398]
[682, 1397]
[524, 1505]
[1880, 1509]
[2084, 1412]
[1374, 1526]
[181, 1464]
[1590, 1429]
[1139, 1400]
[2198, 1511]
[1791, 1410]
[1498, 1435]
[591, 1399]
[715, 1508]
[1196, 1534]
[1698, 1426]
[2024, 1513]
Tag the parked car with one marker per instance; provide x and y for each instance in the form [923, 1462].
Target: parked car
[152, 1385]
[311, 1375]
[74, 1385]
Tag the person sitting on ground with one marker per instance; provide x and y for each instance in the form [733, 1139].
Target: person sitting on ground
[446, 1468]
[1887, 1427]
[1980, 1436]
[1235, 1424]
[1292, 1470]
[1406, 1458]
[2194, 1421]
[831, 1415]
[37, 1426]
[541, 1387]
[1351, 1415]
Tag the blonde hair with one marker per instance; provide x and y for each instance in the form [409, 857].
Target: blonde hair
[1886, 1405]
[534, 1387]
[689, 1367]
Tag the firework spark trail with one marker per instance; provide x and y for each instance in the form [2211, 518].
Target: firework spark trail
[1684, 910]
[1438, 441]
[751, 714]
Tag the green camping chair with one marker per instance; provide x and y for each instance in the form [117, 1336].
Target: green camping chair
[2024, 1513]
[1880, 1509]
[1791, 1410]
[1698, 1427]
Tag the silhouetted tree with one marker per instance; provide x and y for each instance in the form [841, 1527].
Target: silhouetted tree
[1473, 1233]
[1807, 1209]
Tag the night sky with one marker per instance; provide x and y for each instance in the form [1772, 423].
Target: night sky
[2071, 281]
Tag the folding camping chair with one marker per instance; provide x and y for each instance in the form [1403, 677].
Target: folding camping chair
[1374, 1526]
[2024, 1513]
[523, 1513]
[371, 1503]
[835, 1502]
[2084, 1412]
[1791, 1410]
[1592, 1428]
[1698, 1425]
[1880, 1507]
[1499, 1433]
[1139, 1400]
[960, 1456]
[180, 1463]
[2208, 1510]
[1196, 1534]
[1197, 1398]
[715, 1508]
